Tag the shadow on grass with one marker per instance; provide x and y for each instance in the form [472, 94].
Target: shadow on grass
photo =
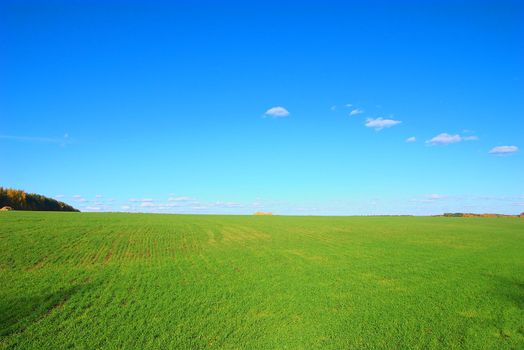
[510, 289]
[16, 314]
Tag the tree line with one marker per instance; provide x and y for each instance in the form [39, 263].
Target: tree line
[467, 215]
[20, 200]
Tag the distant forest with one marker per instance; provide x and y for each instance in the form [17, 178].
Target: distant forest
[20, 200]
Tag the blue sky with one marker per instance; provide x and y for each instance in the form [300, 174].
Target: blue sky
[315, 108]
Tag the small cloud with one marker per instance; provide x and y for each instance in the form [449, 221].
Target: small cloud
[381, 123]
[333, 108]
[179, 199]
[436, 196]
[65, 140]
[199, 207]
[277, 112]
[503, 150]
[424, 200]
[146, 200]
[444, 139]
[125, 207]
[470, 138]
[59, 196]
[147, 204]
[411, 139]
[349, 105]
[93, 208]
[79, 199]
[98, 196]
[227, 204]
[133, 200]
[356, 111]
[429, 198]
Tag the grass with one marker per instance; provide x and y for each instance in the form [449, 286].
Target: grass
[143, 281]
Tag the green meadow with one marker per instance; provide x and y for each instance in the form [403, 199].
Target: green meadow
[151, 281]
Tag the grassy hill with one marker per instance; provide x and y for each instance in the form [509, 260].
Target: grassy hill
[145, 281]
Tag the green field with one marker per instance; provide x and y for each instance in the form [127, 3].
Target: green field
[144, 281]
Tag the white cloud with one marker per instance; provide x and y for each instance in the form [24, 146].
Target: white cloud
[277, 112]
[444, 139]
[381, 123]
[502, 150]
[411, 139]
[333, 108]
[134, 200]
[436, 196]
[59, 196]
[93, 208]
[470, 138]
[356, 111]
[98, 196]
[60, 141]
[198, 207]
[147, 204]
[179, 199]
[349, 105]
[125, 207]
[146, 200]
[431, 198]
[226, 204]
[424, 200]
[79, 199]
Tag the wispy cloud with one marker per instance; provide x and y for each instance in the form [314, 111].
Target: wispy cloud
[411, 139]
[92, 208]
[179, 199]
[444, 139]
[503, 150]
[277, 112]
[182, 204]
[79, 199]
[356, 111]
[62, 141]
[226, 204]
[431, 198]
[436, 196]
[381, 123]
[135, 200]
